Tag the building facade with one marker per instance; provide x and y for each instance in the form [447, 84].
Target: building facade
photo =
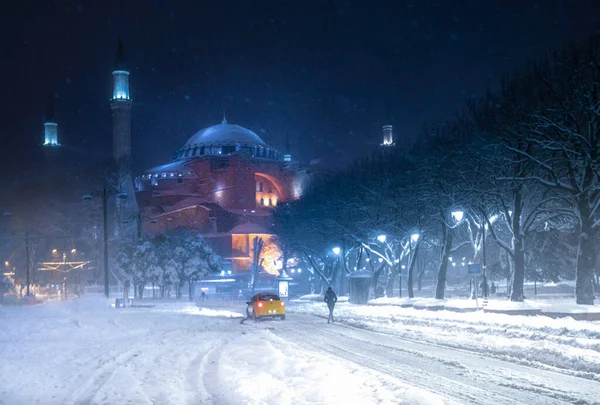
[223, 183]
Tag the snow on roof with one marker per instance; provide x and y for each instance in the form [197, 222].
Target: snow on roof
[248, 228]
[175, 167]
[223, 135]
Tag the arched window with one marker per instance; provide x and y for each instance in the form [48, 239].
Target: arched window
[270, 203]
[202, 150]
[195, 151]
[262, 201]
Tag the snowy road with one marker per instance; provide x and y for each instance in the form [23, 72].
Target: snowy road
[175, 353]
[459, 375]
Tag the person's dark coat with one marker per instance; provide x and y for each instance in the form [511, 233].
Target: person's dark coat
[330, 297]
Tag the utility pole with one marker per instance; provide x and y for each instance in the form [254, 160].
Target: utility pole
[105, 220]
[28, 264]
[485, 287]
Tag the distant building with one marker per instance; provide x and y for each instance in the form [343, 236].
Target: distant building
[224, 183]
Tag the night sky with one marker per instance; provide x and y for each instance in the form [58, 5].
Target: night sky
[328, 73]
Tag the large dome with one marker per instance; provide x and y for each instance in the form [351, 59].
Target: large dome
[224, 134]
[226, 139]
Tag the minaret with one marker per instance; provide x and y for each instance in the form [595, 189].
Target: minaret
[287, 157]
[388, 137]
[50, 126]
[120, 103]
[121, 108]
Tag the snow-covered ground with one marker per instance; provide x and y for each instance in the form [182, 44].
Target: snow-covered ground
[84, 352]
[569, 346]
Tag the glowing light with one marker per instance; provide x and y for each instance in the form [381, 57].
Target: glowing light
[382, 238]
[54, 251]
[380, 260]
[287, 158]
[293, 270]
[299, 270]
[388, 137]
[229, 272]
[222, 272]
[120, 85]
[403, 267]
[457, 215]
[336, 251]
[414, 237]
[453, 264]
[450, 258]
[7, 263]
[368, 260]
[51, 134]
[73, 251]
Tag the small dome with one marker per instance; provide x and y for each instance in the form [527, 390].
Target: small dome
[224, 135]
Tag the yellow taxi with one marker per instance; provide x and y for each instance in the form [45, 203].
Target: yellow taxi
[265, 305]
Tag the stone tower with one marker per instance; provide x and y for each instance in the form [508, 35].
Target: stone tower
[121, 108]
[127, 209]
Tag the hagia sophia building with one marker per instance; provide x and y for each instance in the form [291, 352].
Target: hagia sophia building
[223, 183]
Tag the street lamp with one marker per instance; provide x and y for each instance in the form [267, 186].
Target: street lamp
[382, 238]
[8, 215]
[414, 237]
[336, 250]
[457, 215]
[88, 197]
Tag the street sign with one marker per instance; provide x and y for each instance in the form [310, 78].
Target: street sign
[474, 269]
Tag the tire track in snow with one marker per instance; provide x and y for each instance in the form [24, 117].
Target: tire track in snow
[93, 383]
[470, 382]
[202, 376]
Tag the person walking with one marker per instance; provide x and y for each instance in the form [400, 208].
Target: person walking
[330, 299]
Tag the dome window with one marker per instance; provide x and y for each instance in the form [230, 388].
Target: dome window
[202, 150]
[195, 151]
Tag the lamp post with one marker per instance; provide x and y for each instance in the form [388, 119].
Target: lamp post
[105, 232]
[104, 194]
[336, 252]
[27, 258]
[400, 280]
